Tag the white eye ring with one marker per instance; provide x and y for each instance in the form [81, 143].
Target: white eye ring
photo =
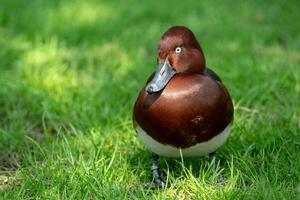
[178, 49]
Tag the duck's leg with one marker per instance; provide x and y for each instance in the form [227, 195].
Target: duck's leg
[157, 175]
[213, 156]
[159, 180]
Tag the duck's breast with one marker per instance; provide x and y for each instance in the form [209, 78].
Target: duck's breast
[191, 110]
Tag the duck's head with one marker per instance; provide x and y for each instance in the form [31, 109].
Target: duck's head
[178, 52]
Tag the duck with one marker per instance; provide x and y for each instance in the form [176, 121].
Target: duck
[184, 109]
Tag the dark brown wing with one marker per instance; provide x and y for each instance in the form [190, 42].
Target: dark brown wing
[212, 74]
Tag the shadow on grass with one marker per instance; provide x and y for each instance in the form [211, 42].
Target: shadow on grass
[176, 168]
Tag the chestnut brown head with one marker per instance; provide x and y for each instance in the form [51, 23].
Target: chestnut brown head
[178, 52]
[180, 46]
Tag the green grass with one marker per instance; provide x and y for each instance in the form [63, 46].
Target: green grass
[69, 75]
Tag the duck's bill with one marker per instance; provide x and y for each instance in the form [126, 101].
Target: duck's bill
[162, 76]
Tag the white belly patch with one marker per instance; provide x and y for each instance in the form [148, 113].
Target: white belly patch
[200, 149]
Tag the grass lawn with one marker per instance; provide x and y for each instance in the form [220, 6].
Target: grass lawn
[69, 75]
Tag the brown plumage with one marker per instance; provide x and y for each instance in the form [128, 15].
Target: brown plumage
[193, 106]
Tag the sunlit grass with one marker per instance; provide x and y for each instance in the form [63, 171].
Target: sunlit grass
[70, 72]
[79, 12]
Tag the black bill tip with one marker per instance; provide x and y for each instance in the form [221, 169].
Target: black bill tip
[150, 90]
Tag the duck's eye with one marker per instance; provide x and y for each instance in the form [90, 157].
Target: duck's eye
[178, 49]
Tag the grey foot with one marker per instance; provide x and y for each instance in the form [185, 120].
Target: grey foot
[220, 179]
[158, 179]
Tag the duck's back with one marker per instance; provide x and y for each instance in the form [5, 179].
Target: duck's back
[191, 109]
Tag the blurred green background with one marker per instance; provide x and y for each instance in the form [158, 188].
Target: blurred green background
[70, 72]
